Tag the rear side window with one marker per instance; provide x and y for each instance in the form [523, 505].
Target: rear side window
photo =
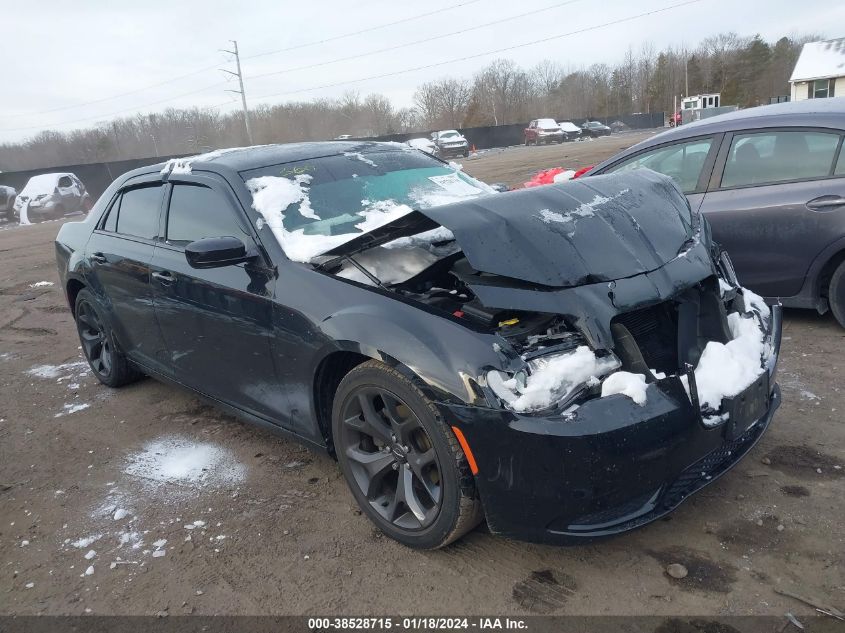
[138, 212]
[682, 162]
[840, 164]
[198, 212]
[771, 157]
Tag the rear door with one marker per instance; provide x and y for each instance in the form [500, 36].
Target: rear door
[119, 253]
[774, 202]
[216, 322]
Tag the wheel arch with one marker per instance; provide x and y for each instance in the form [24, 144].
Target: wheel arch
[817, 281]
[72, 289]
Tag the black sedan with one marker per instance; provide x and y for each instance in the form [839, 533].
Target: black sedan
[567, 362]
[595, 129]
[771, 182]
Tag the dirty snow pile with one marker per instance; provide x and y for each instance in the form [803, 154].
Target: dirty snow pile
[626, 383]
[272, 195]
[184, 461]
[556, 377]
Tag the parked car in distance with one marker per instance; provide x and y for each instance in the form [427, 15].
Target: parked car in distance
[52, 196]
[7, 202]
[450, 143]
[571, 131]
[543, 131]
[771, 182]
[423, 144]
[343, 137]
[437, 332]
[595, 129]
[675, 119]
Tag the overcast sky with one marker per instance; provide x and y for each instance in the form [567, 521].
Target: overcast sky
[57, 56]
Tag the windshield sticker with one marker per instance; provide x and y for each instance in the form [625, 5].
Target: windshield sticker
[454, 185]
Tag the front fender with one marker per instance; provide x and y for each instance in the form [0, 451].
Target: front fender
[444, 355]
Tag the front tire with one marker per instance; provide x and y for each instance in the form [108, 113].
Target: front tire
[836, 294]
[402, 463]
[108, 363]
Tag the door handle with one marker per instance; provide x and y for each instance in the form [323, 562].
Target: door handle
[826, 202]
[98, 258]
[164, 277]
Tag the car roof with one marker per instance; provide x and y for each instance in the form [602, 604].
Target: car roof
[811, 112]
[245, 158]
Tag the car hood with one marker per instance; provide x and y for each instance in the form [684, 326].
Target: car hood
[579, 232]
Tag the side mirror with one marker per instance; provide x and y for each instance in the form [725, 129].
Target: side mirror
[215, 252]
[500, 187]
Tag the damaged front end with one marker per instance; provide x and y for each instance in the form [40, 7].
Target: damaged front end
[630, 369]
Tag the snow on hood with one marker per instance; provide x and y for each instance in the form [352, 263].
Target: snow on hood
[583, 231]
[43, 183]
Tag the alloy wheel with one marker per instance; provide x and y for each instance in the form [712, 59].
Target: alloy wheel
[96, 345]
[392, 458]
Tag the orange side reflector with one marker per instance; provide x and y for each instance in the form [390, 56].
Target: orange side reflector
[470, 457]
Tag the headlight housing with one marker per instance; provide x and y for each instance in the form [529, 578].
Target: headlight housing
[554, 379]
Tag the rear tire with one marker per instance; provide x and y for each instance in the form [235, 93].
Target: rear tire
[836, 294]
[402, 463]
[108, 363]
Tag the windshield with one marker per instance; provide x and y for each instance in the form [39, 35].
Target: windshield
[547, 123]
[313, 206]
[450, 134]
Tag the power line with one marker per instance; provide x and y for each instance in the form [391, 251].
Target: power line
[477, 55]
[362, 31]
[213, 66]
[415, 42]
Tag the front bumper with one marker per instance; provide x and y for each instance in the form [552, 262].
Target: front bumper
[613, 466]
[458, 150]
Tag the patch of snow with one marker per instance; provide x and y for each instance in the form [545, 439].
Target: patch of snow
[120, 513]
[89, 571]
[183, 165]
[72, 408]
[724, 370]
[196, 524]
[86, 541]
[159, 553]
[160, 543]
[24, 543]
[564, 175]
[626, 383]
[724, 287]
[361, 157]
[187, 462]
[584, 210]
[91, 554]
[29, 585]
[556, 377]
[756, 302]
[54, 371]
[41, 284]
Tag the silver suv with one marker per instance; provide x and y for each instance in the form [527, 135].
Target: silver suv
[51, 196]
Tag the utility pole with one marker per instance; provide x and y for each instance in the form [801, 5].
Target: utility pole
[241, 92]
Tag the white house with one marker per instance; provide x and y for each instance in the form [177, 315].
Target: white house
[819, 71]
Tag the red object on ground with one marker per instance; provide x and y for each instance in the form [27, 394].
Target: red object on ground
[545, 177]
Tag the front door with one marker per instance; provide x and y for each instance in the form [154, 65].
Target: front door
[216, 322]
[774, 205]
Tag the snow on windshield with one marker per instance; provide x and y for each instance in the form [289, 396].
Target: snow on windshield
[547, 123]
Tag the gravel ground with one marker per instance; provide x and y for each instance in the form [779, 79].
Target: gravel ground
[144, 500]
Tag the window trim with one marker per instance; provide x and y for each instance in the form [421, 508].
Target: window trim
[718, 172]
[220, 185]
[128, 186]
[706, 168]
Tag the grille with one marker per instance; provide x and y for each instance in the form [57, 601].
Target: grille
[655, 329]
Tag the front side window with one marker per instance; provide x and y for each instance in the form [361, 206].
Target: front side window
[65, 182]
[137, 215]
[197, 212]
[771, 157]
[682, 162]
